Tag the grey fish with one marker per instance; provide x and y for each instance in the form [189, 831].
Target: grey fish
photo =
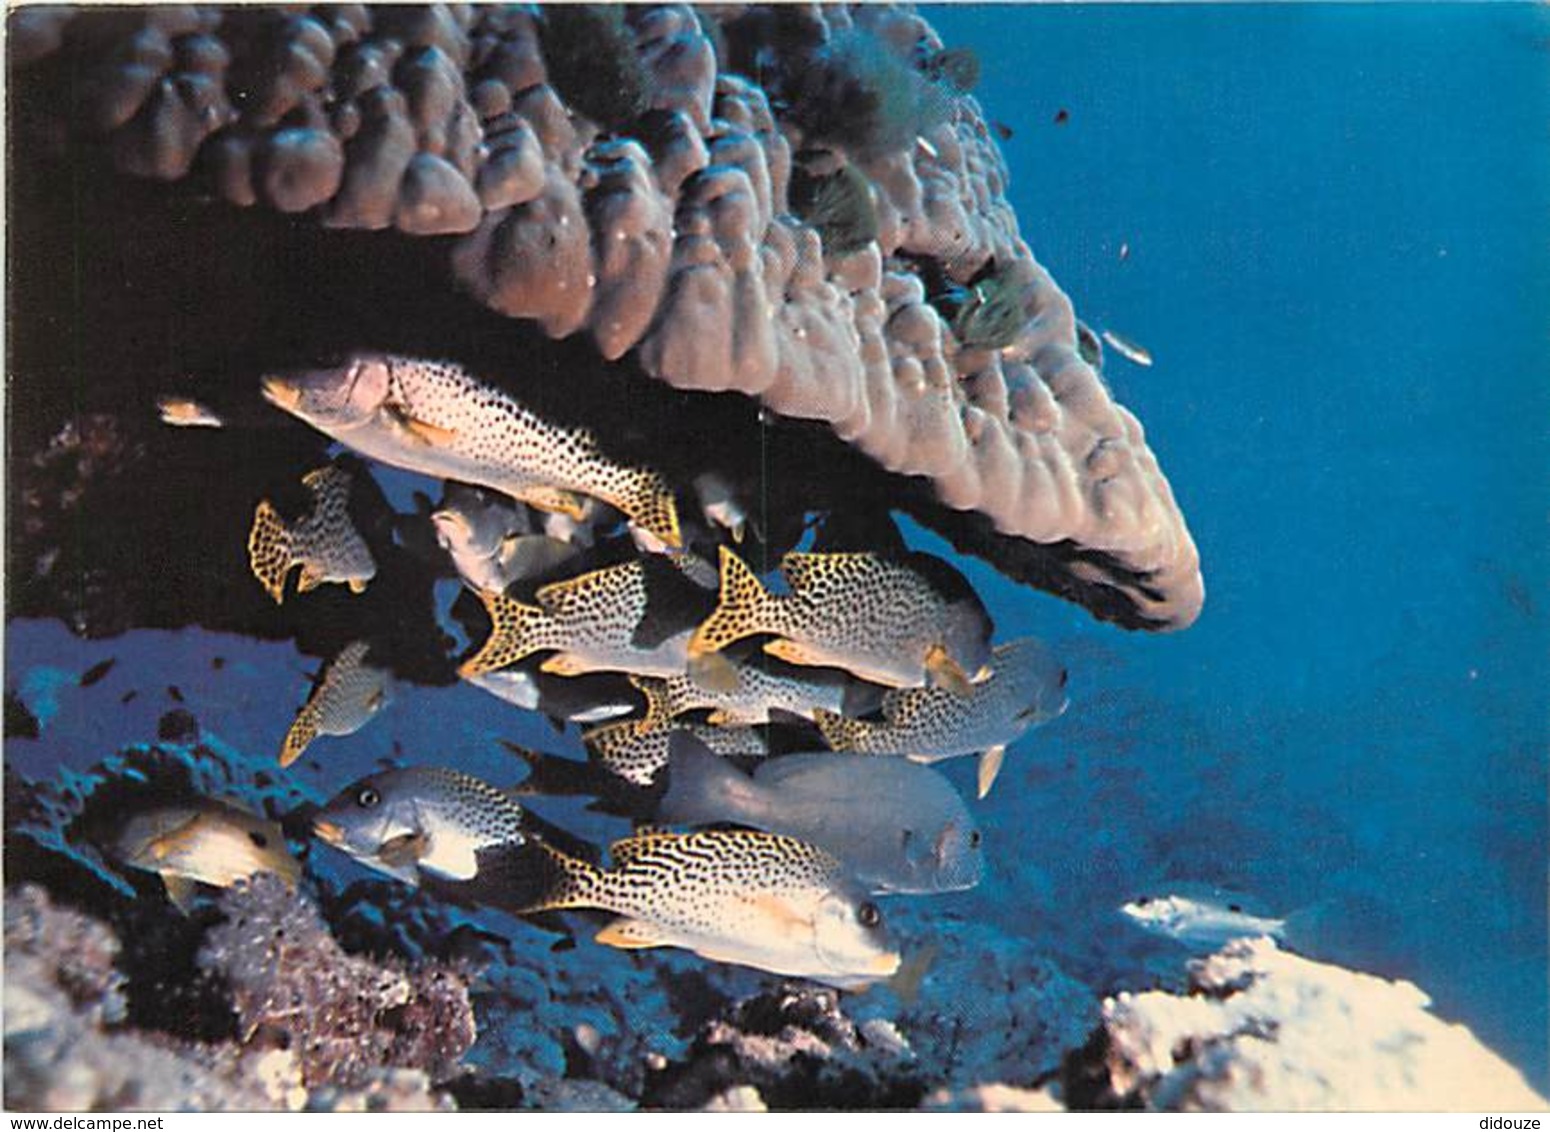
[203, 842]
[438, 419]
[346, 698]
[491, 539]
[749, 697]
[636, 751]
[733, 896]
[325, 544]
[897, 825]
[720, 505]
[1026, 687]
[1127, 349]
[885, 621]
[421, 819]
[618, 619]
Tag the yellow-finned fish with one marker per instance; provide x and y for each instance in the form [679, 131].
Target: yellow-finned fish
[734, 896]
[902, 624]
[747, 698]
[421, 819]
[203, 842]
[636, 750]
[438, 419]
[346, 698]
[635, 617]
[325, 544]
[1026, 687]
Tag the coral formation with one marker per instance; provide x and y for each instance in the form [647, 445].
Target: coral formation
[670, 233]
[1263, 1029]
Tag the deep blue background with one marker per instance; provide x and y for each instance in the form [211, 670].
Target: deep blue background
[1338, 222]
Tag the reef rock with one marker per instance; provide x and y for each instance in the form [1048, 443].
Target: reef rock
[1263, 1029]
[893, 299]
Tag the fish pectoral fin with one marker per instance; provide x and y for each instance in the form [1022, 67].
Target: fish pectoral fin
[945, 672]
[989, 768]
[632, 935]
[566, 664]
[794, 653]
[555, 499]
[420, 431]
[403, 851]
[182, 891]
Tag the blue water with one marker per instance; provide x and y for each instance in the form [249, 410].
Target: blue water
[1338, 222]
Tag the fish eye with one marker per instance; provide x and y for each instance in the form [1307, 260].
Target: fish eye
[258, 839]
[1235, 907]
[869, 915]
[974, 839]
[908, 836]
[367, 798]
[1064, 676]
[1143, 901]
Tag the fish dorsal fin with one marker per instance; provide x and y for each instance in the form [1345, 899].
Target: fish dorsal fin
[576, 595]
[629, 849]
[631, 934]
[840, 732]
[326, 480]
[805, 571]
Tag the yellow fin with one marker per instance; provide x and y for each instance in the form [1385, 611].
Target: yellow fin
[990, 767]
[631, 935]
[420, 431]
[269, 550]
[555, 499]
[302, 732]
[517, 631]
[556, 596]
[357, 585]
[794, 653]
[714, 672]
[181, 891]
[659, 705]
[649, 502]
[744, 608]
[945, 672]
[310, 579]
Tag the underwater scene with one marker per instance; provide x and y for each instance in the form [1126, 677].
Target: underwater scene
[753, 557]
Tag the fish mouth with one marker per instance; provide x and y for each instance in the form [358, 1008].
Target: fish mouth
[328, 832]
[282, 393]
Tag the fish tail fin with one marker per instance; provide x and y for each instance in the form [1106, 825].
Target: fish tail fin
[744, 608]
[516, 631]
[301, 734]
[646, 498]
[659, 705]
[841, 732]
[269, 550]
[567, 882]
[700, 783]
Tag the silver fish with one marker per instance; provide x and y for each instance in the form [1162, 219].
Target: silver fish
[325, 544]
[347, 697]
[203, 842]
[1026, 687]
[531, 690]
[421, 819]
[897, 825]
[733, 896]
[490, 551]
[1127, 349]
[437, 419]
[750, 695]
[1204, 918]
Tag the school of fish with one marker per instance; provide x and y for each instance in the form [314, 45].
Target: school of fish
[734, 714]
